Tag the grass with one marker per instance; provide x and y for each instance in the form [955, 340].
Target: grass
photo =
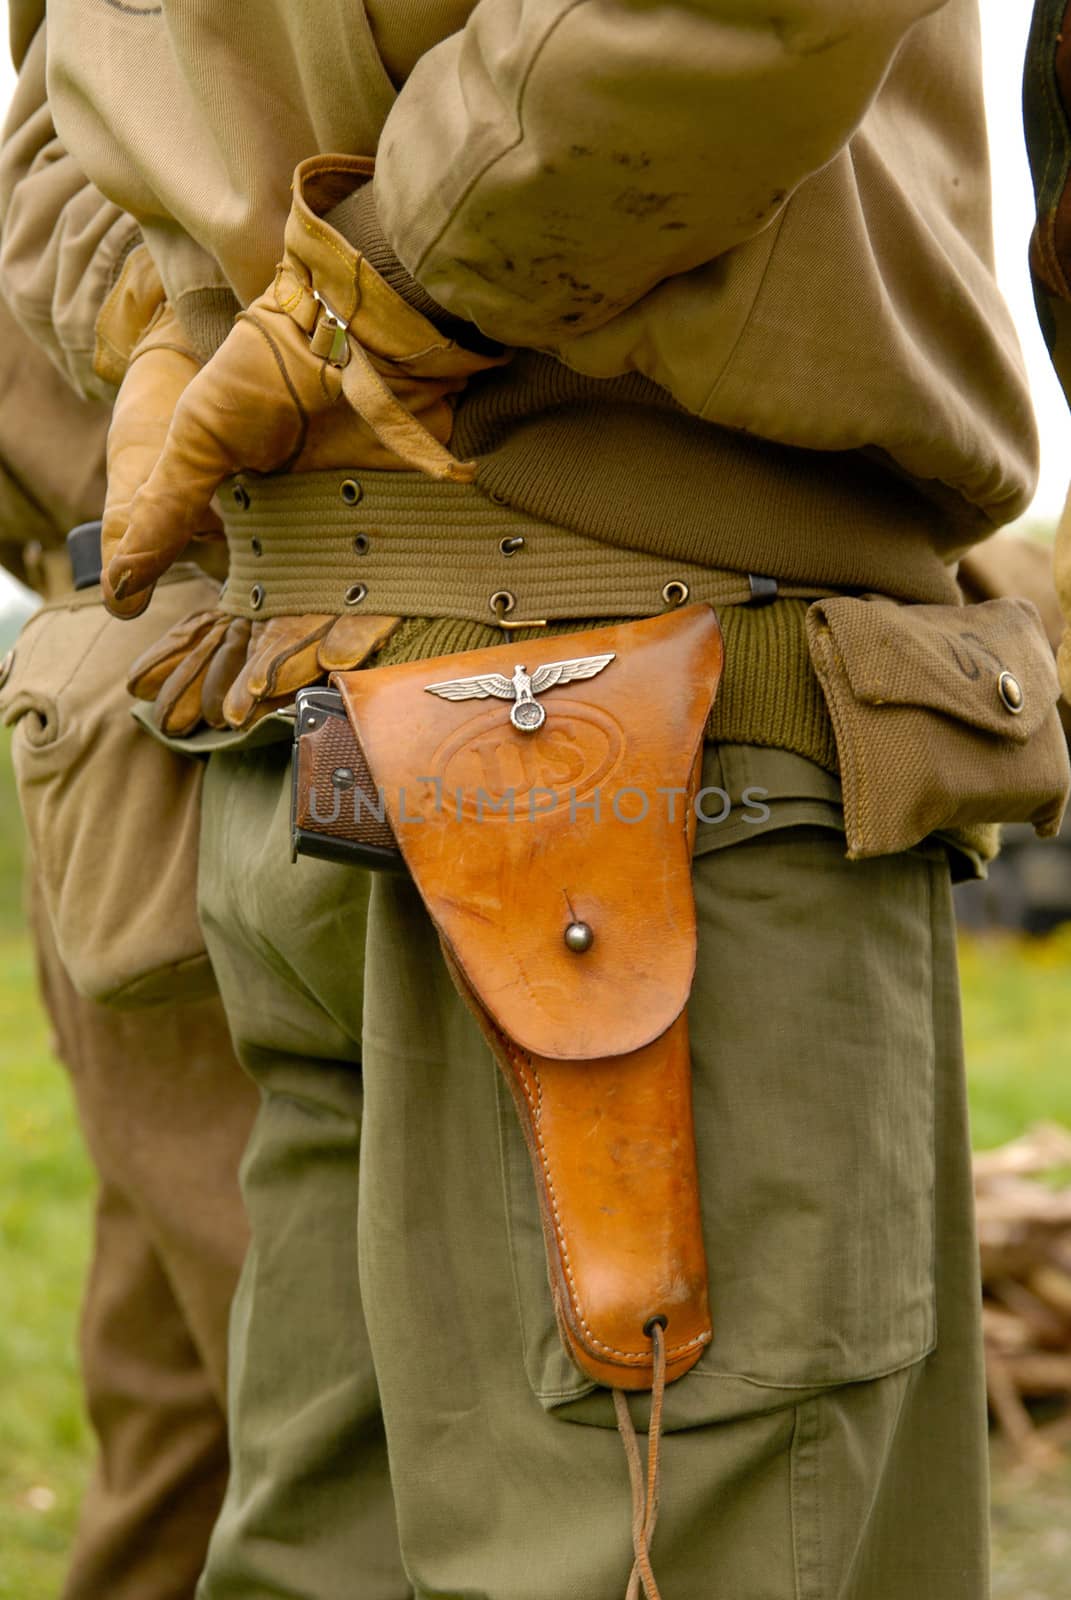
[1017, 1012]
[45, 1200]
[1031, 1532]
[45, 1218]
[1017, 1023]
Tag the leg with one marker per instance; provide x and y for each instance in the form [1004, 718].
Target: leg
[165, 1110]
[838, 1215]
[828, 1089]
[309, 1510]
[162, 1464]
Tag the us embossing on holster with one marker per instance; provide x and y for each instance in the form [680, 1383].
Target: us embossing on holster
[540, 794]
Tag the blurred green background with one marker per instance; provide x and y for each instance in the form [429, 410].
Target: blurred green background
[1017, 1001]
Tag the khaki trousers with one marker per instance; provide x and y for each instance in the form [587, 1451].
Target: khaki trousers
[166, 1111]
[404, 1421]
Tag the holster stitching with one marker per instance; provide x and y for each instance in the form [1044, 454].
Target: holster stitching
[524, 1064]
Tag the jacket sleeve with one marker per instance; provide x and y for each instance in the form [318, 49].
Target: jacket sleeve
[62, 244]
[51, 452]
[550, 163]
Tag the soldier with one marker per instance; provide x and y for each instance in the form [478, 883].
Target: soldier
[642, 306]
[163, 1105]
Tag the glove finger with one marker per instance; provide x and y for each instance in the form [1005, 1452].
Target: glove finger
[144, 408]
[224, 667]
[239, 411]
[352, 640]
[283, 661]
[158, 530]
[239, 700]
[291, 654]
[291, 661]
[154, 666]
[178, 705]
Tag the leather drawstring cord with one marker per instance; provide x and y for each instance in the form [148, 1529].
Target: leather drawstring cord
[644, 1495]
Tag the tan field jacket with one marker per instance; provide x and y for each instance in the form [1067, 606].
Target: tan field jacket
[51, 461]
[778, 224]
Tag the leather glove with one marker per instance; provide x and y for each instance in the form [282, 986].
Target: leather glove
[139, 347]
[328, 368]
[229, 672]
[161, 366]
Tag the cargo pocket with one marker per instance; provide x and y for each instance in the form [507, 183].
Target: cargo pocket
[112, 819]
[945, 718]
[812, 1028]
[813, 1045]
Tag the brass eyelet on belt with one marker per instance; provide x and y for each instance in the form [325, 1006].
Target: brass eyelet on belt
[355, 594]
[360, 543]
[240, 496]
[351, 491]
[502, 603]
[675, 593]
[256, 546]
[256, 596]
[510, 545]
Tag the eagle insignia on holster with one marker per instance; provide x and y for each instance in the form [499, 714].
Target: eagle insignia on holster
[525, 714]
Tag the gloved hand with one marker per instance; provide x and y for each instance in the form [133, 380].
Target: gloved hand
[140, 348]
[229, 672]
[328, 368]
[161, 366]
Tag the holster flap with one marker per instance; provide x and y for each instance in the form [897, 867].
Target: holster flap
[514, 835]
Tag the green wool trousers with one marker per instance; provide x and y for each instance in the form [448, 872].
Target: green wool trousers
[404, 1421]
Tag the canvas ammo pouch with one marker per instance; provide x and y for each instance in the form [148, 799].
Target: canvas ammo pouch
[945, 718]
[528, 804]
[112, 817]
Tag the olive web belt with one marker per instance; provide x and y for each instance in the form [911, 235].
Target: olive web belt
[399, 544]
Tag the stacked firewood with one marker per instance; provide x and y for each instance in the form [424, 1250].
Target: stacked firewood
[1023, 1198]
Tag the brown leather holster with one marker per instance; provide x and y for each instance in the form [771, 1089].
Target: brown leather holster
[555, 862]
